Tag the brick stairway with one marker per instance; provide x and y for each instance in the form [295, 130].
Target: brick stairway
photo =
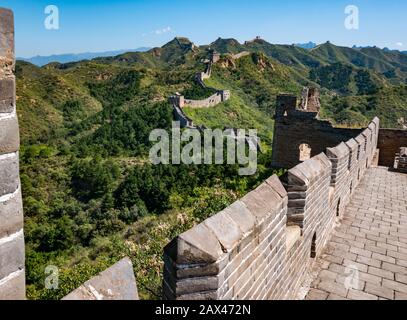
[366, 258]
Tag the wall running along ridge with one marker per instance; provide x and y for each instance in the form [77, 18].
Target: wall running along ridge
[12, 255]
[212, 101]
[262, 246]
[178, 102]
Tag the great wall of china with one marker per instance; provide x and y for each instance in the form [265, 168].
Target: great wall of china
[179, 102]
[260, 247]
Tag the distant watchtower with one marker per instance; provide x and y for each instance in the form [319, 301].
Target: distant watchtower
[215, 56]
[298, 132]
[177, 100]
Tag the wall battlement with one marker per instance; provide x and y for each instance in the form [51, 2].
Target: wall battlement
[261, 246]
[212, 101]
[12, 256]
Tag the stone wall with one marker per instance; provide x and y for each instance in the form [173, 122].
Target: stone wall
[180, 102]
[212, 101]
[294, 127]
[116, 283]
[12, 260]
[179, 115]
[240, 55]
[390, 141]
[262, 246]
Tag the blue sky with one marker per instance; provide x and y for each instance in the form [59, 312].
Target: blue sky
[102, 25]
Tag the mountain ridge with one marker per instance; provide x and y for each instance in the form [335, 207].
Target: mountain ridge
[75, 57]
[90, 194]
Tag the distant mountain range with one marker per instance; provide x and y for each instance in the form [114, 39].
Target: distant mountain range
[72, 57]
[308, 45]
[312, 45]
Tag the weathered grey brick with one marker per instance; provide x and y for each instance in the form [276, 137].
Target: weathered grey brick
[394, 285]
[6, 38]
[315, 294]
[263, 202]
[239, 213]
[196, 285]
[9, 175]
[11, 214]
[225, 229]
[335, 297]
[384, 258]
[198, 245]
[379, 291]
[401, 296]
[369, 261]
[9, 134]
[7, 95]
[401, 278]
[339, 152]
[6, 21]
[13, 287]
[381, 273]
[377, 280]
[333, 287]
[360, 295]
[11, 254]
[394, 268]
[116, 283]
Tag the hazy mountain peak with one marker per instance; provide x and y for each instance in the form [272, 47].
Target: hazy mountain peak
[229, 45]
[182, 42]
[308, 45]
[230, 41]
[74, 57]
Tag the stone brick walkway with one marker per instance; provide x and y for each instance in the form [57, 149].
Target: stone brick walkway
[367, 255]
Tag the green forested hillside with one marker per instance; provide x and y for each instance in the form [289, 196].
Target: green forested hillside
[90, 194]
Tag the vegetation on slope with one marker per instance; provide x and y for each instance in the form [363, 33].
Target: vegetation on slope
[90, 194]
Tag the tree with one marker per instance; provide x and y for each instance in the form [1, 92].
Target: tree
[93, 178]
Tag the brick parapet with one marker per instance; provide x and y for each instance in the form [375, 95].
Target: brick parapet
[262, 246]
[12, 256]
[218, 258]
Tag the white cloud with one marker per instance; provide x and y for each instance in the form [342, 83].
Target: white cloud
[162, 31]
[400, 44]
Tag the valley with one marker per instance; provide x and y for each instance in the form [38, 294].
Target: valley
[90, 195]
